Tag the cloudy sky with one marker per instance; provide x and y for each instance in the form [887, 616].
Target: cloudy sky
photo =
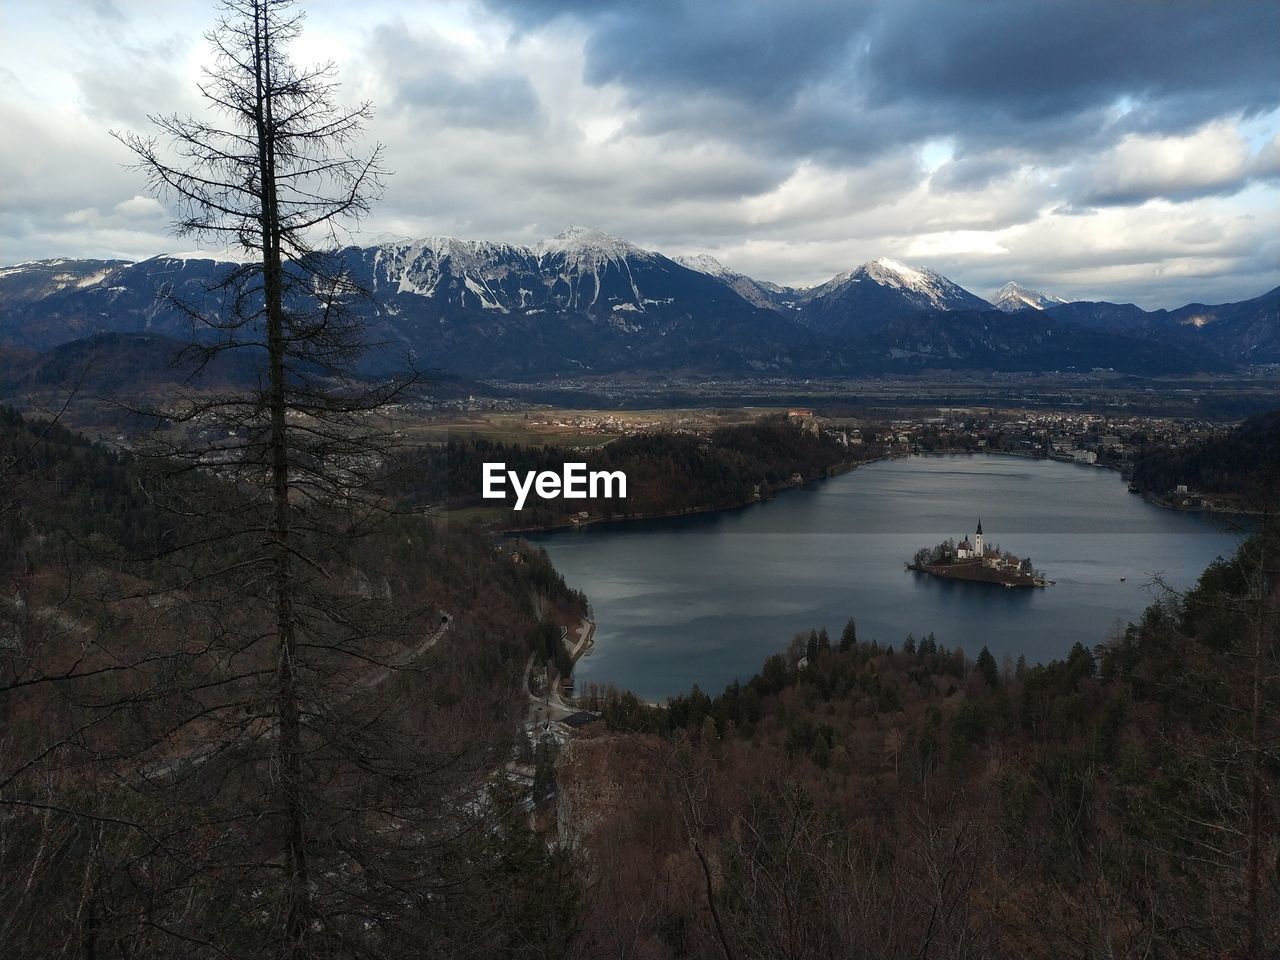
[1111, 150]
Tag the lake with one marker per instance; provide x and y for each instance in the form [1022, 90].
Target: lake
[704, 599]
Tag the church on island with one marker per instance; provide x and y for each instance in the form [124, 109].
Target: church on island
[977, 561]
[968, 551]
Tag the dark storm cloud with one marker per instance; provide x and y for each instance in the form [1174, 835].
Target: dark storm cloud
[1183, 62]
[972, 173]
[761, 52]
[857, 77]
[429, 75]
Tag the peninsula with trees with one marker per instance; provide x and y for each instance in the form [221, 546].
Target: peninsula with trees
[978, 562]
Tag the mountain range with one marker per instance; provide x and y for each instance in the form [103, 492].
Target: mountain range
[587, 302]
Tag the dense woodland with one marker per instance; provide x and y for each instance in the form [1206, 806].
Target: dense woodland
[666, 472]
[1240, 468]
[136, 817]
[853, 800]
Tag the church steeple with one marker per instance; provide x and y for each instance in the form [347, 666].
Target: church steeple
[979, 526]
[979, 544]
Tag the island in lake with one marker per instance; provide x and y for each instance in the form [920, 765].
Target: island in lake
[977, 562]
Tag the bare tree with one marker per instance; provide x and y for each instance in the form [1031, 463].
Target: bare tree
[271, 173]
[256, 771]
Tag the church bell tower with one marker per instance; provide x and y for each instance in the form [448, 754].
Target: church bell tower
[978, 548]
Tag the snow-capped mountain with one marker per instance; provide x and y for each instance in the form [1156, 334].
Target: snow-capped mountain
[924, 288]
[585, 248]
[580, 270]
[879, 291]
[582, 300]
[587, 302]
[1013, 297]
[462, 273]
[45, 278]
[706, 263]
[589, 268]
[579, 301]
[851, 302]
[760, 292]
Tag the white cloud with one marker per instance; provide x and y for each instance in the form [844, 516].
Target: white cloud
[506, 133]
[957, 243]
[140, 208]
[1213, 159]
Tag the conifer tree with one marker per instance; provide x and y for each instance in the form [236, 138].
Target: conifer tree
[987, 668]
[849, 635]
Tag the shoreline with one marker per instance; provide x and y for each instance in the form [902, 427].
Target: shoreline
[625, 518]
[977, 572]
[839, 470]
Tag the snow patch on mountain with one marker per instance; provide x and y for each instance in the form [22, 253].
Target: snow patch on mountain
[853, 303]
[420, 266]
[1014, 296]
[569, 271]
[705, 263]
[483, 294]
[465, 257]
[926, 285]
[899, 274]
[762, 293]
[217, 256]
[586, 249]
[94, 279]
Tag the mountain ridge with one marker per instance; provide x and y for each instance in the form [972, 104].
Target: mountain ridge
[588, 301]
[854, 303]
[1013, 296]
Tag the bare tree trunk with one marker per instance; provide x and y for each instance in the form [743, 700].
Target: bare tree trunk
[711, 899]
[1253, 875]
[290, 739]
[296, 892]
[681, 771]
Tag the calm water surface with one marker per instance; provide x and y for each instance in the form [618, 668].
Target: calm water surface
[705, 599]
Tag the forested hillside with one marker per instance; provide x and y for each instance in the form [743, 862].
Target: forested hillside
[1242, 467]
[666, 472]
[137, 732]
[853, 800]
